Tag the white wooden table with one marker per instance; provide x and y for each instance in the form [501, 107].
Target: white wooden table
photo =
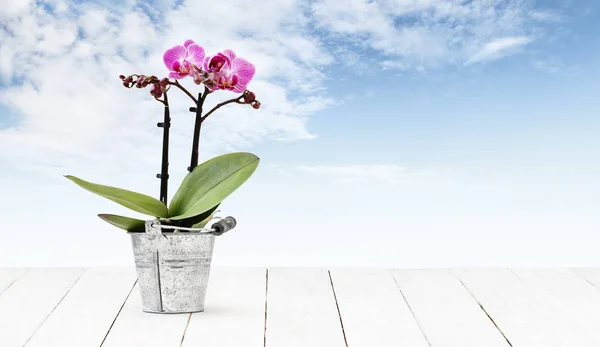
[289, 307]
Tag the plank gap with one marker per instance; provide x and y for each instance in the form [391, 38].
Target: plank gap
[119, 312]
[185, 330]
[410, 308]
[483, 308]
[585, 279]
[266, 302]
[15, 280]
[235, 310]
[516, 275]
[54, 308]
[337, 305]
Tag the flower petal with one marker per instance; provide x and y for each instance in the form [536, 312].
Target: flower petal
[174, 54]
[229, 54]
[187, 43]
[206, 61]
[195, 54]
[175, 75]
[244, 70]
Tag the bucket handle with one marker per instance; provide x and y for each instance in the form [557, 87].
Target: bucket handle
[217, 229]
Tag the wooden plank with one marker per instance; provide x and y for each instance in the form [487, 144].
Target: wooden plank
[301, 309]
[447, 313]
[576, 298]
[373, 310]
[234, 312]
[524, 318]
[85, 315]
[30, 300]
[590, 274]
[134, 327]
[8, 276]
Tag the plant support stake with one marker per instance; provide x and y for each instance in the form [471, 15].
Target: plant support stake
[164, 172]
[197, 127]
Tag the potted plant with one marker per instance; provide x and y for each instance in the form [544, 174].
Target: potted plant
[173, 250]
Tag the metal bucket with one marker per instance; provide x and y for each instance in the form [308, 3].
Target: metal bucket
[172, 268]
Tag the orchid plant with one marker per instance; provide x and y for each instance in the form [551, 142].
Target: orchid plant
[208, 184]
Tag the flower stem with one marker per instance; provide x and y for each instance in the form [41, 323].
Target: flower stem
[237, 100]
[176, 84]
[164, 172]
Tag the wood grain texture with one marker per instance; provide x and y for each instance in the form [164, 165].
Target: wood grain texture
[8, 276]
[85, 315]
[447, 313]
[50, 307]
[521, 314]
[134, 327]
[591, 275]
[234, 310]
[30, 301]
[568, 293]
[373, 311]
[301, 310]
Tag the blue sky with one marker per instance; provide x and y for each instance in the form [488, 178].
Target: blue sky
[447, 130]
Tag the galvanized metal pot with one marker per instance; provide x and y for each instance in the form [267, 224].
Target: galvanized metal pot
[172, 268]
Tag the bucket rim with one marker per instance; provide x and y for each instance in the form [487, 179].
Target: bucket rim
[174, 234]
[155, 224]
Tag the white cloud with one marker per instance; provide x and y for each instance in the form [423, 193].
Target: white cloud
[59, 68]
[546, 16]
[393, 65]
[432, 33]
[93, 21]
[550, 66]
[59, 76]
[555, 66]
[15, 8]
[499, 48]
[375, 174]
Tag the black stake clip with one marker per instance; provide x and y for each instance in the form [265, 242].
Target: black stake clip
[160, 176]
[162, 125]
[223, 226]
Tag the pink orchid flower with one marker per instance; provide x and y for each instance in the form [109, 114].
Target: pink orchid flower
[181, 59]
[228, 72]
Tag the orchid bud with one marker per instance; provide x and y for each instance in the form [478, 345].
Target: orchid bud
[139, 81]
[210, 83]
[197, 69]
[164, 82]
[121, 77]
[256, 104]
[198, 79]
[249, 97]
[156, 90]
[128, 81]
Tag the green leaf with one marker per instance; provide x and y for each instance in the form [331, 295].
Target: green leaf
[210, 183]
[125, 223]
[193, 222]
[138, 202]
[203, 223]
